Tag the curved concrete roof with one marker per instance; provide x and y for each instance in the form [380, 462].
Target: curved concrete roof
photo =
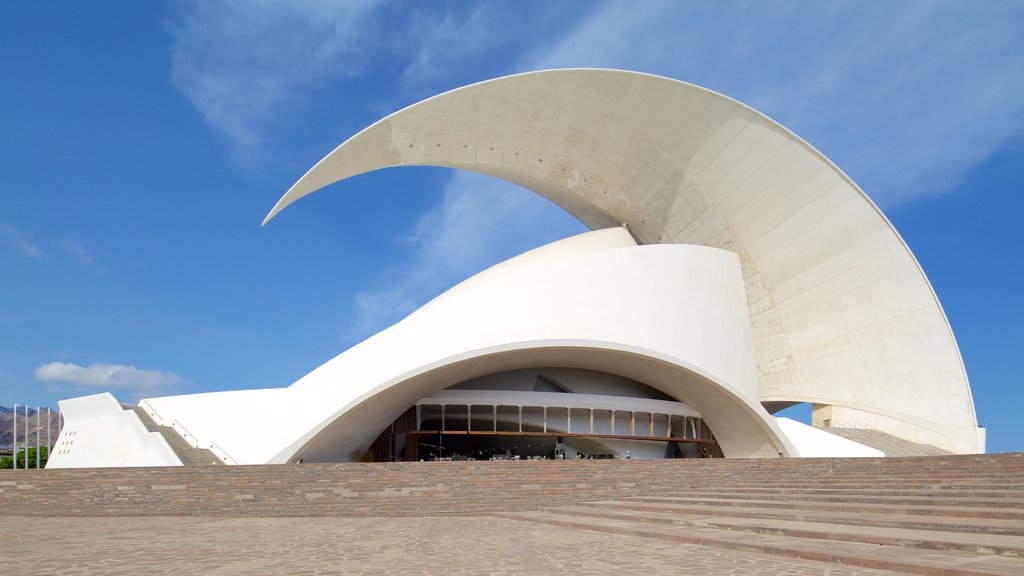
[686, 334]
[841, 312]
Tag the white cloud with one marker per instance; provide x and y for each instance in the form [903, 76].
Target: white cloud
[118, 377]
[18, 240]
[15, 238]
[82, 257]
[236, 61]
[480, 222]
[444, 43]
[905, 97]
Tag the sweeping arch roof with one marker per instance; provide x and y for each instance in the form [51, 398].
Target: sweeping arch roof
[841, 312]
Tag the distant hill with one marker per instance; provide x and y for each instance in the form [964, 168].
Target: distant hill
[21, 410]
[7, 424]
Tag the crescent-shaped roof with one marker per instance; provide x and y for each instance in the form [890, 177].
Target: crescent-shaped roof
[840, 310]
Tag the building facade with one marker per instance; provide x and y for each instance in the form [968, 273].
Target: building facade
[732, 271]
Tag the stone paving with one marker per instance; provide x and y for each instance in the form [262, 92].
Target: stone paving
[458, 545]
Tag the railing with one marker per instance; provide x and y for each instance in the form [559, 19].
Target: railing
[222, 454]
[157, 418]
[197, 443]
[191, 438]
[879, 439]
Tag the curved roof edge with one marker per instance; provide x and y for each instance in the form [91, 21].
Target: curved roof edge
[685, 164]
[743, 428]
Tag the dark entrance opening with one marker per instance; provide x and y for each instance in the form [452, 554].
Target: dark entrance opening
[461, 437]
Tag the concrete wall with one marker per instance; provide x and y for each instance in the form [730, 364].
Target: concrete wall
[99, 433]
[813, 443]
[841, 313]
[672, 317]
[573, 380]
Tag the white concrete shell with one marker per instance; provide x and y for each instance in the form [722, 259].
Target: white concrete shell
[841, 313]
[670, 316]
[762, 274]
[98, 432]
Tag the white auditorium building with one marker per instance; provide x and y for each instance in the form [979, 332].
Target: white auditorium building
[732, 271]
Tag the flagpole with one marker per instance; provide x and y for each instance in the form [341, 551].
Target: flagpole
[26, 436]
[14, 439]
[38, 416]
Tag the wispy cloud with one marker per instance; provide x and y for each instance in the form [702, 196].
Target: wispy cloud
[481, 221]
[447, 42]
[16, 239]
[20, 242]
[905, 97]
[237, 61]
[117, 377]
[82, 257]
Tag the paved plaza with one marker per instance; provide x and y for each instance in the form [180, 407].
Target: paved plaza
[357, 546]
[961, 515]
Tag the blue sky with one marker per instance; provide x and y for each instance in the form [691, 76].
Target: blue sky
[142, 143]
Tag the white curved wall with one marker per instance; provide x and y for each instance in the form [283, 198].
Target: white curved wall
[840, 310]
[571, 379]
[812, 442]
[98, 433]
[671, 316]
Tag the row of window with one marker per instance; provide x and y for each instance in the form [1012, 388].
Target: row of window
[486, 418]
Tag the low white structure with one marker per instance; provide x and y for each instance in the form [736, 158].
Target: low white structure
[811, 442]
[733, 268]
[99, 432]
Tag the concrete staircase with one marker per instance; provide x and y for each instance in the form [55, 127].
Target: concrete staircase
[917, 532]
[887, 443]
[944, 515]
[188, 454]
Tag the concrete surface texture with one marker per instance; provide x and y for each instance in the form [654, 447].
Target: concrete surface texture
[944, 515]
[360, 546]
[732, 267]
[840, 310]
[670, 316]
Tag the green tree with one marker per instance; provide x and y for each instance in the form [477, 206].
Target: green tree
[44, 452]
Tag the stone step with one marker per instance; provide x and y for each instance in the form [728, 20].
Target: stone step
[885, 517]
[1011, 499]
[415, 488]
[815, 476]
[999, 491]
[944, 469]
[889, 476]
[941, 539]
[188, 454]
[1009, 479]
[941, 509]
[895, 558]
[876, 498]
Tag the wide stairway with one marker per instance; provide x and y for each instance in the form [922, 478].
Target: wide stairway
[943, 515]
[890, 445]
[903, 523]
[189, 455]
